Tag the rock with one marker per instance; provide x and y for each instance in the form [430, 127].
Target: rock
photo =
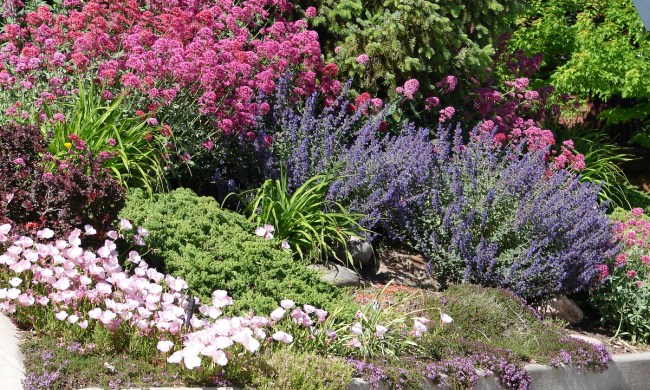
[337, 275]
[587, 339]
[358, 384]
[363, 256]
[564, 308]
[407, 268]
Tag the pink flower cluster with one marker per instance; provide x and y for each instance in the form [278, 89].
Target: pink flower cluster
[634, 233]
[409, 89]
[215, 51]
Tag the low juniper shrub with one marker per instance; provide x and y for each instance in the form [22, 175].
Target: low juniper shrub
[499, 216]
[38, 191]
[212, 248]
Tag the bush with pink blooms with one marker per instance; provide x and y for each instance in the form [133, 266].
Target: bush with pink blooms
[623, 294]
[197, 66]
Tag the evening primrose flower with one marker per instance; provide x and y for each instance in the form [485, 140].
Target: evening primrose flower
[445, 318]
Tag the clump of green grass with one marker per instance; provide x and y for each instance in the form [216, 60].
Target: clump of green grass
[285, 369]
[499, 319]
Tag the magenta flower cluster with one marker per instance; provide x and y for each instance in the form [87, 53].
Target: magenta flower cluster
[214, 51]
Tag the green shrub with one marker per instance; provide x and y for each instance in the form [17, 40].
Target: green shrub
[499, 319]
[420, 39]
[308, 371]
[212, 249]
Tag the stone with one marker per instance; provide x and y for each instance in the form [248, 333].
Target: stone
[337, 275]
[358, 384]
[564, 308]
[587, 339]
[362, 253]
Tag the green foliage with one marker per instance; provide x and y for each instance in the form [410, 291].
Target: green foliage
[51, 363]
[312, 225]
[289, 370]
[592, 49]
[637, 198]
[137, 153]
[419, 39]
[497, 318]
[602, 164]
[212, 249]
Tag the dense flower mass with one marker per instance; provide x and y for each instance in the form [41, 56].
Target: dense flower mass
[623, 295]
[85, 289]
[222, 54]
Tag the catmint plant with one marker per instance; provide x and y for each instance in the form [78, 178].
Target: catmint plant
[502, 217]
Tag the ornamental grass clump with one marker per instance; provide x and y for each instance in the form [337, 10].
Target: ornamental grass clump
[312, 226]
[134, 146]
[503, 217]
[622, 295]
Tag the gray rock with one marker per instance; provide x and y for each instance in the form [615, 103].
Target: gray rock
[362, 253]
[587, 339]
[358, 384]
[337, 275]
[564, 308]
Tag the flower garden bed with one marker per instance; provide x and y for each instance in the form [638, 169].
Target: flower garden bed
[173, 172]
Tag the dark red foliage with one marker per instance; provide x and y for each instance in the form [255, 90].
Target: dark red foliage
[37, 191]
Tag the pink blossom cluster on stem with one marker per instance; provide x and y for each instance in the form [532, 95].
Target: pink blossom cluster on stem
[223, 54]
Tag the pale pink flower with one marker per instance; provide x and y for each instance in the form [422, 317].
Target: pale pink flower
[62, 315]
[164, 345]
[175, 357]
[15, 282]
[277, 314]
[445, 318]
[356, 329]
[354, 343]
[44, 233]
[221, 299]
[283, 337]
[287, 303]
[380, 331]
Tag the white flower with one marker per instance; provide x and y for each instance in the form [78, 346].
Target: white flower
[445, 318]
[284, 245]
[15, 282]
[164, 345]
[282, 336]
[90, 231]
[125, 224]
